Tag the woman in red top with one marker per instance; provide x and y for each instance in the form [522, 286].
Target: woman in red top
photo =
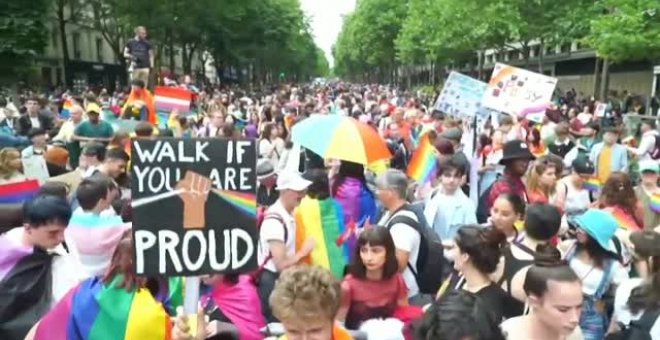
[373, 288]
[542, 180]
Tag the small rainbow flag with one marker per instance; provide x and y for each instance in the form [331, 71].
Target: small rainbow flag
[94, 310]
[324, 221]
[19, 192]
[655, 203]
[66, 109]
[244, 202]
[593, 184]
[424, 162]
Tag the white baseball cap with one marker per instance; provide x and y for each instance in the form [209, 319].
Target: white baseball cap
[291, 181]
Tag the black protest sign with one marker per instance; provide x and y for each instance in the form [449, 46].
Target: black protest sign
[194, 206]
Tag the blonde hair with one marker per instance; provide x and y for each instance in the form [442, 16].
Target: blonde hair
[306, 293]
[6, 170]
[541, 165]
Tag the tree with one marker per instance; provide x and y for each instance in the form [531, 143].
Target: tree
[22, 34]
[66, 12]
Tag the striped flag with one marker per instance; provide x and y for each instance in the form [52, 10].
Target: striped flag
[172, 98]
[18, 192]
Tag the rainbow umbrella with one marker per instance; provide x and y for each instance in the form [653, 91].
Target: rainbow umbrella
[341, 137]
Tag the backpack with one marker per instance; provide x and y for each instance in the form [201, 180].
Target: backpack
[655, 153]
[483, 211]
[262, 215]
[638, 329]
[431, 263]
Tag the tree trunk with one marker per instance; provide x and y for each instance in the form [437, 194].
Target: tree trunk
[605, 80]
[61, 23]
[541, 55]
[481, 56]
[597, 65]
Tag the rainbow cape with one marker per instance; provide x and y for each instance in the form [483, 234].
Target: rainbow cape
[655, 203]
[96, 311]
[146, 97]
[25, 287]
[18, 192]
[424, 162]
[625, 220]
[593, 184]
[322, 220]
[93, 238]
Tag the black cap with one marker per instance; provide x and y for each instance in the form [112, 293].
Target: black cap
[583, 166]
[516, 149]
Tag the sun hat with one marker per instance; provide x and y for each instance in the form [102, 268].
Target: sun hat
[516, 149]
[600, 225]
[291, 181]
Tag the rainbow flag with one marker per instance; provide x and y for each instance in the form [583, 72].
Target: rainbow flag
[169, 99]
[96, 311]
[424, 161]
[593, 184]
[246, 203]
[93, 238]
[322, 220]
[623, 219]
[655, 203]
[18, 192]
[66, 109]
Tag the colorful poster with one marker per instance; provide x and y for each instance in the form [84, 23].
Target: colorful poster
[519, 92]
[461, 96]
[194, 206]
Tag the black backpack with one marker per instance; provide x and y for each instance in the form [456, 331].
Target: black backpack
[483, 210]
[639, 329]
[431, 263]
[655, 153]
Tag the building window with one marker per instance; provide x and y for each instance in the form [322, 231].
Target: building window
[565, 48]
[535, 51]
[54, 37]
[549, 50]
[513, 55]
[77, 53]
[99, 50]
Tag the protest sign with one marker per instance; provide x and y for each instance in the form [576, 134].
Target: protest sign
[461, 96]
[194, 206]
[34, 167]
[518, 92]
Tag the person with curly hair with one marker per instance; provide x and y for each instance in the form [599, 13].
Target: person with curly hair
[306, 300]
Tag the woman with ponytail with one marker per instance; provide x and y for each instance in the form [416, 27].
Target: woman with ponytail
[476, 255]
[554, 295]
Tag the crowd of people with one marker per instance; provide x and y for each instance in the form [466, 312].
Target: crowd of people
[560, 239]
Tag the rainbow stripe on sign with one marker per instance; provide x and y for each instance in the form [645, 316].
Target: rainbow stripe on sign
[424, 162]
[592, 184]
[18, 192]
[655, 203]
[246, 203]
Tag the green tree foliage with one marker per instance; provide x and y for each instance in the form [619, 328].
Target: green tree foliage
[22, 34]
[628, 30]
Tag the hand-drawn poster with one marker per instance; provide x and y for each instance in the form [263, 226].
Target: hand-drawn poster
[194, 206]
[461, 96]
[518, 92]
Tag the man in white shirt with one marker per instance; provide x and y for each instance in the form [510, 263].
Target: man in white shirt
[276, 250]
[66, 131]
[391, 190]
[648, 143]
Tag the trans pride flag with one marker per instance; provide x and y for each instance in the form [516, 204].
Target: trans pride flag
[93, 238]
[323, 220]
[95, 311]
[169, 99]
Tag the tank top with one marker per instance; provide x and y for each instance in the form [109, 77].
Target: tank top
[512, 265]
[577, 200]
